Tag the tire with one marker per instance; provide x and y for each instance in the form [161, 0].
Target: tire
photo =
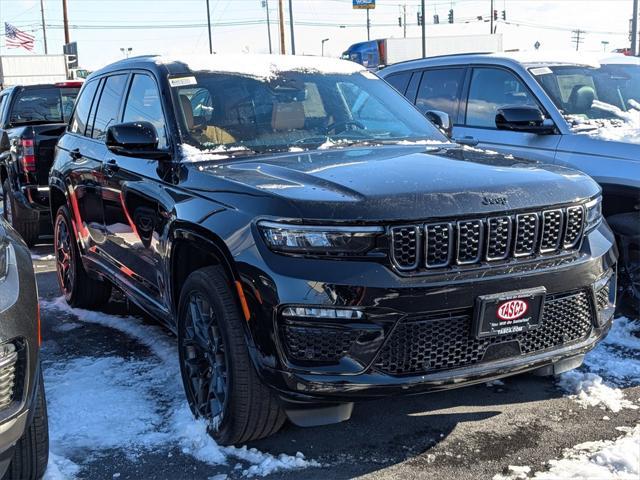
[28, 230]
[246, 410]
[626, 227]
[78, 288]
[31, 452]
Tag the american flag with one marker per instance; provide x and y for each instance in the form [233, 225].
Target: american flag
[17, 38]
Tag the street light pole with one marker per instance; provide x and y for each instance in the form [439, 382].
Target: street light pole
[491, 17]
[65, 20]
[324, 40]
[368, 26]
[209, 28]
[265, 3]
[634, 30]
[44, 30]
[293, 40]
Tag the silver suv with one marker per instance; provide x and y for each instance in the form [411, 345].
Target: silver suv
[571, 111]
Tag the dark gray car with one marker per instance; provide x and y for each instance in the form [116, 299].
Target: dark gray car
[24, 438]
[571, 111]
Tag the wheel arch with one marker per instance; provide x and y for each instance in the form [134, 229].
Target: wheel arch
[619, 199]
[57, 198]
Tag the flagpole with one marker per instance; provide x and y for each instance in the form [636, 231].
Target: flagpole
[44, 29]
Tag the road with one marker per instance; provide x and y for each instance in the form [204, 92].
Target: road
[473, 433]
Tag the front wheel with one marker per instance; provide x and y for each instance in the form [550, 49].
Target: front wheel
[31, 452]
[219, 379]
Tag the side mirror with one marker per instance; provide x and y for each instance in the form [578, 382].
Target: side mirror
[134, 139]
[4, 141]
[440, 120]
[523, 119]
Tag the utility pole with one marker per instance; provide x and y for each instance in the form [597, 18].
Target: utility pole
[491, 17]
[209, 28]
[424, 31]
[368, 26]
[404, 19]
[281, 17]
[293, 40]
[635, 48]
[44, 30]
[577, 37]
[65, 19]
[265, 3]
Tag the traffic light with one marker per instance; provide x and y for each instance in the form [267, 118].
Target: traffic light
[504, 15]
[436, 19]
[451, 16]
[419, 18]
[495, 14]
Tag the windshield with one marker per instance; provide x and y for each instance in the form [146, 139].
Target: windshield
[592, 93]
[296, 110]
[40, 105]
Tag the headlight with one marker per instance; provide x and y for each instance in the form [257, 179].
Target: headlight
[594, 214]
[319, 240]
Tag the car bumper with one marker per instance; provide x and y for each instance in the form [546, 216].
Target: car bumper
[374, 362]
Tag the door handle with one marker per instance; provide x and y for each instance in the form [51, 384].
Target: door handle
[75, 154]
[111, 167]
[469, 141]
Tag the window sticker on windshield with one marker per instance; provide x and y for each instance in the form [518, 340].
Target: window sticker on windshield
[541, 71]
[182, 81]
[370, 75]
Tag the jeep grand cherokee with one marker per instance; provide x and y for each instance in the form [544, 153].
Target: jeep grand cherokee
[312, 239]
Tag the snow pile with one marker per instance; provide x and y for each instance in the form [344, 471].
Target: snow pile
[615, 359]
[42, 258]
[608, 459]
[192, 154]
[263, 67]
[102, 403]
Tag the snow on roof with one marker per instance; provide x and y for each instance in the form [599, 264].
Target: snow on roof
[263, 66]
[619, 59]
[550, 57]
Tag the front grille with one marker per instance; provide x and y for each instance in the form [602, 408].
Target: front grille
[8, 359]
[430, 343]
[317, 344]
[469, 242]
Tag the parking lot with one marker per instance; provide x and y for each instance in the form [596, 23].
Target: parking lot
[115, 378]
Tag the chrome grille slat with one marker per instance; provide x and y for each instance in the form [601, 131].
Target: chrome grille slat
[492, 239]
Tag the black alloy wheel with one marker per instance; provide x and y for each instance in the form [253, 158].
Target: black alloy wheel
[64, 253]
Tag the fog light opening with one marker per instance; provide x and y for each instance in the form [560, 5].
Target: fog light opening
[323, 313]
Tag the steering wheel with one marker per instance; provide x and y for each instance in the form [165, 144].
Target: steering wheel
[343, 126]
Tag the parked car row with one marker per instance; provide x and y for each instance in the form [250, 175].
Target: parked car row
[313, 240]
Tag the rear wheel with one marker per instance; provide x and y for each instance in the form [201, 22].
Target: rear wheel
[78, 288]
[220, 381]
[28, 230]
[31, 452]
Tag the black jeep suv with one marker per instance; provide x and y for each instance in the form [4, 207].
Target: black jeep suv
[312, 239]
[32, 118]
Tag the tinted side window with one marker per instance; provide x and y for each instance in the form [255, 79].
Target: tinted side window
[399, 81]
[83, 105]
[491, 89]
[143, 104]
[107, 113]
[3, 102]
[440, 90]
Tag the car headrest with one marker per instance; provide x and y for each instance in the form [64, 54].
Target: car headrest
[581, 98]
[287, 116]
[187, 111]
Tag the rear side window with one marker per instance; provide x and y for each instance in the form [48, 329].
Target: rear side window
[3, 102]
[81, 113]
[440, 90]
[109, 106]
[399, 81]
[46, 105]
[143, 104]
[491, 89]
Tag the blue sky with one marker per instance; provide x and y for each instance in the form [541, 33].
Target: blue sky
[240, 25]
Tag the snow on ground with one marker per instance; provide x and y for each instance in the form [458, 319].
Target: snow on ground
[110, 402]
[42, 258]
[608, 459]
[614, 363]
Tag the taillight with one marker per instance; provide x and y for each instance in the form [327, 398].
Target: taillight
[28, 157]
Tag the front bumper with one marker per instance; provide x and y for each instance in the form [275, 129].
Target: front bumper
[375, 361]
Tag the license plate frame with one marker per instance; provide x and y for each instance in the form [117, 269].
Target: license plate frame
[487, 323]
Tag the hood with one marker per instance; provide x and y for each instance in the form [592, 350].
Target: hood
[607, 138]
[398, 183]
